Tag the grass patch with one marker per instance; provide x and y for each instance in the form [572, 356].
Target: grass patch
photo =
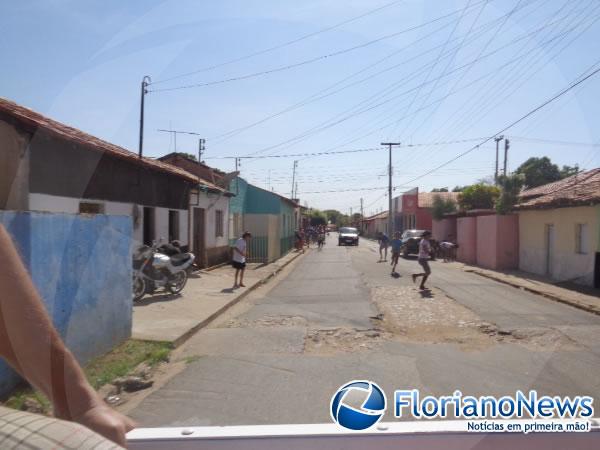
[191, 359]
[119, 362]
[124, 358]
[17, 399]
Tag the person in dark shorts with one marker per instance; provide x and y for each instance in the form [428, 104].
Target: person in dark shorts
[396, 246]
[239, 258]
[424, 255]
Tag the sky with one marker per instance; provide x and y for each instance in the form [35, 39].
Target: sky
[277, 78]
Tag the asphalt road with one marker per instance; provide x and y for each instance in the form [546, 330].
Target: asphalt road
[338, 315]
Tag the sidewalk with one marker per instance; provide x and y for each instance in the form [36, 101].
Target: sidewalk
[175, 318]
[583, 298]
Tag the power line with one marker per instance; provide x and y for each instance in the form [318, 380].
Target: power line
[317, 96]
[331, 122]
[304, 62]
[282, 45]
[522, 118]
[481, 102]
[295, 155]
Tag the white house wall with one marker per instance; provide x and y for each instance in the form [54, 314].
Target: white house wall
[567, 264]
[58, 204]
[211, 203]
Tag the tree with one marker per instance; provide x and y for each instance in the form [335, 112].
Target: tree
[511, 186]
[317, 218]
[568, 171]
[187, 155]
[442, 206]
[539, 171]
[478, 196]
[459, 188]
[444, 189]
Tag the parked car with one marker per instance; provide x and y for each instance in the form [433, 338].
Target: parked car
[348, 235]
[410, 242]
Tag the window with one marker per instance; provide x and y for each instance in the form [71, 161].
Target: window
[91, 208]
[237, 225]
[173, 225]
[582, 240]
[218, 223]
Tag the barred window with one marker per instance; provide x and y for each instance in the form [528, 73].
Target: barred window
[218, 223]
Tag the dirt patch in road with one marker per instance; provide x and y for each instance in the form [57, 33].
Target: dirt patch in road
[433, 317]
[428, 317]
[267, 321]
[538, 339]
[343, 340]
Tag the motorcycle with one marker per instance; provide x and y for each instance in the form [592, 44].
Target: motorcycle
[152, 269]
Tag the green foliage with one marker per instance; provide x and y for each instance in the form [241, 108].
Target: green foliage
[568, 171]
[336, 217]
[442, 206]
[444, 189]
[317, 217]
[478, 196]
[187, 155]
[511, 186]
[458, 188]
[539, 171]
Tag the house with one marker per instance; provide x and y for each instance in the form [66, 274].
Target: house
[271, 218]
[559, 225]
[375, 224]
[412, 209]
[51, 167]
[208, 210]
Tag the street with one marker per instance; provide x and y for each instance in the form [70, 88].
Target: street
[337, 315]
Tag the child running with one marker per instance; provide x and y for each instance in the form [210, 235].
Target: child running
[424, 254]
[396, 246]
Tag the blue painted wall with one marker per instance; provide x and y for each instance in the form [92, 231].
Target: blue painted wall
[237, 204]
[81, 266]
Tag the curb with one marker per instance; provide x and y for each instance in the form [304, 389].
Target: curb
[189, 333]
[585, 307]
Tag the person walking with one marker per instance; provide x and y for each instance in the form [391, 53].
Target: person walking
[396, 246]
[239, 258]
[424, 255]
[384, 241]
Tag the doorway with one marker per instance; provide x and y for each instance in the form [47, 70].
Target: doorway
[199, 239]
[148, 225]
[549, 249]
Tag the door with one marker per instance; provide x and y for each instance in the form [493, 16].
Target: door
[199, 240]
[549, 249]
[148, 225]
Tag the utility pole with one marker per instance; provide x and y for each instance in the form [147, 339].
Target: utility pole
[201, 148]
[175, 133]
[390, 218]
[145, 83]
[497, 139]
[506, 147]
[362, 217]
[294, 177]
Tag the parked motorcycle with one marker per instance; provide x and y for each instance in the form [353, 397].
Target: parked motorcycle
[153, 269]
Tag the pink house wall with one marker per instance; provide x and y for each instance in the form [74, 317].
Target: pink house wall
[444, 229]
[466, 237]
[498, 242]
[508, 242]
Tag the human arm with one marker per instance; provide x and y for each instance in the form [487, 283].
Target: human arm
[31, 345]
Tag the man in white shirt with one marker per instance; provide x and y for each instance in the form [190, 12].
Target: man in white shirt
[239, 258]
[424, 254]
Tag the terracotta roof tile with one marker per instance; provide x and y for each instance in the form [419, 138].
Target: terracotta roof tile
[36, 122]
[580, 189]
[426, 198]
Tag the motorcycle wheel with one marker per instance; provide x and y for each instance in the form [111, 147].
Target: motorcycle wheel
[139, 288]
[177, 282]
